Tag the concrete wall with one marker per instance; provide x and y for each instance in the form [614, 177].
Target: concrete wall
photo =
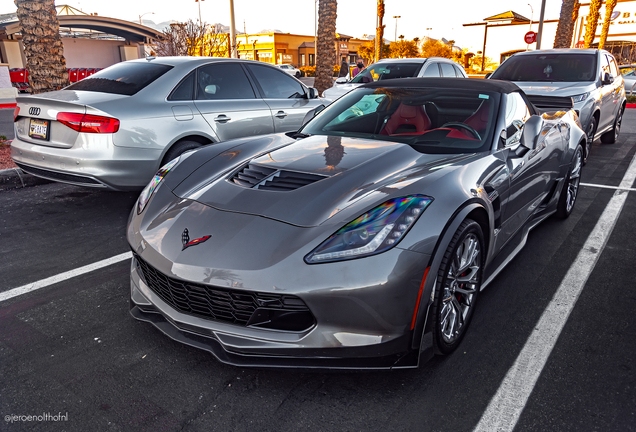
[91, 53]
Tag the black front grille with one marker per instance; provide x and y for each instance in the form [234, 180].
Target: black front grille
[265, 178]
[280, 311]
[53, 175]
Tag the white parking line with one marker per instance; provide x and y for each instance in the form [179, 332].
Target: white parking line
[608, 187]
[63, 276]
[506, 406]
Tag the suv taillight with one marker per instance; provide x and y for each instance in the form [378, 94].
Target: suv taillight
[87, 123]
[16, 113]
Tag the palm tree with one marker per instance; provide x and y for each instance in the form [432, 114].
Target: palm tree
[609, 8]
[592, 22]
[379, 32]
[326, 49]
[42, 45]
[565, 28]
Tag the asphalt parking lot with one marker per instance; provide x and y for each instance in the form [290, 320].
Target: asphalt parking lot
[71, 348]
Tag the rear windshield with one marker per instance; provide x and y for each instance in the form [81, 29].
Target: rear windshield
[382, 71]
[122, 78]
[548, 68]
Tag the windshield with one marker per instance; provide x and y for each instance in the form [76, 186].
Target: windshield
[382, 71]
[548, 68]
[431, 120]
[124, 78]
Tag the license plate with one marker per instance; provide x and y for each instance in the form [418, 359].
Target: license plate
[39, 129]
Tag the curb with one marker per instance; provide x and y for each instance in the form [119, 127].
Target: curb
[15, 178]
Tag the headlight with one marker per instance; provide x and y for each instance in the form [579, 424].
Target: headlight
[375, 231]
[154, 183]
[580, 98]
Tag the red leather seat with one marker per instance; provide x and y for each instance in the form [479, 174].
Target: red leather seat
[407, 120]
[479, 119]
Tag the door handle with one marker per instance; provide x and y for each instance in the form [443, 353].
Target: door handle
[281, 114]
[222, 118]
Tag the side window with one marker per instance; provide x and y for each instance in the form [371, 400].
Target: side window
[605, 67]
[276, 84]
[459, 72]
[613, 67]
[517, 113]
[184, 90]
[448, 70]
[431, 71]
[219, 81]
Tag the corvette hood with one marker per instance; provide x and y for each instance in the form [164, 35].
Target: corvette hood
[555, 88]
[313, 179]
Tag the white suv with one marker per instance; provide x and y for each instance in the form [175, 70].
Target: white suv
[290, 70]
[589, 76]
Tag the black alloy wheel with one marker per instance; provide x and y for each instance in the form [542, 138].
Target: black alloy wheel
[458, 283]
[571, 186]
[589, 133]
[611, 136]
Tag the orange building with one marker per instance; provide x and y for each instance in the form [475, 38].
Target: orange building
[286, 48]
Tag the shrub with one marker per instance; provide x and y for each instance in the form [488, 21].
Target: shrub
[631, 98]
[309, 71]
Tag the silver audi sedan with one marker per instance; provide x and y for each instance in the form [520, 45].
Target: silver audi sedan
[116, 128]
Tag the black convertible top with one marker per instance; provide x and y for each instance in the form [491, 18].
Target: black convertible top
[450, 83]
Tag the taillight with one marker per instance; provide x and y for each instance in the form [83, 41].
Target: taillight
[87, 123]
[16, 113]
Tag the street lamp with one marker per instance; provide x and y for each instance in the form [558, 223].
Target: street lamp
[199, 1]
[396, 18]
[151, 13]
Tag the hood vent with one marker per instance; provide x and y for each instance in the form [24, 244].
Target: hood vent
[259, 177]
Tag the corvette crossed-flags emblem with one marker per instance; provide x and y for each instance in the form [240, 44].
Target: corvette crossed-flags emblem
[185, 239]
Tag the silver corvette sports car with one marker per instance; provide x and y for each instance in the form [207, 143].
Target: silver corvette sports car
[361, 241]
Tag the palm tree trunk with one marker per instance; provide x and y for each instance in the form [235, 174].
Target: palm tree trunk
[609, 8]
[42, 45]
[592, 22]
[565, 28]
[379, 32]
[326, 49]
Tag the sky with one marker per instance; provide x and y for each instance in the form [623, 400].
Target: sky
[433, 18]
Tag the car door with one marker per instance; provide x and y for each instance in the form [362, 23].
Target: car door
[532, 175]
[607, 96]
[286, 97]
[226, 99]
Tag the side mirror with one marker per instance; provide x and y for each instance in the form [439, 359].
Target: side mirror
[607, 79]
[531, 132]
[342, 80]
[488, 75]
[312, 113]
[313, 93]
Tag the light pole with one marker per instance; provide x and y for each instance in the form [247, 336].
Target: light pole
[396, 18]
[151, 13]
[199, 1]
[232, 31]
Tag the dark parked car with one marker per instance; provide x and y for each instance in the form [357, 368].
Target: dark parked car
[361, 241]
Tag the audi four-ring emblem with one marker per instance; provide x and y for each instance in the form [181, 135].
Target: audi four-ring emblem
[34, 111]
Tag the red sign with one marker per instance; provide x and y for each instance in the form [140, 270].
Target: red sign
[530, 37]
[580, 44]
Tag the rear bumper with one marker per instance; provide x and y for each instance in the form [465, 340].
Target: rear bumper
[93, 164]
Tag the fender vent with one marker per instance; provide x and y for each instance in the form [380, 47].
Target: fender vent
[259, 177]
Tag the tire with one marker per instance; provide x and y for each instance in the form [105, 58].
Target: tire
[178, 149]
[611, 136]
[297, 74]
[461, 270]
[571, 186]
[589, 133]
